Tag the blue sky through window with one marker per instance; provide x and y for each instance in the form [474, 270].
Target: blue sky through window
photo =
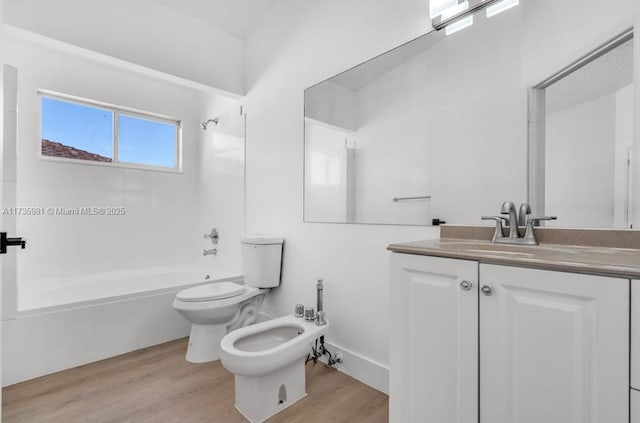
[140, 140]
[146, 141]
[85, 128]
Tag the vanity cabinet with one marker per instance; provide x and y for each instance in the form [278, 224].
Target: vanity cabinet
[554, 346]
[542, 346]
[433, 340]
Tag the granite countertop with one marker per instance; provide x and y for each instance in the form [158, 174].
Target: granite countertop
[595, 260]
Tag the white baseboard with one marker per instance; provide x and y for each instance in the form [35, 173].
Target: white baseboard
[358, 366]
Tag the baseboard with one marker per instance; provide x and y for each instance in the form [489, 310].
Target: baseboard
[358, 366]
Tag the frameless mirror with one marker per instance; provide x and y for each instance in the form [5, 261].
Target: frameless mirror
[449, 126]
[583, 139]
[430, 130]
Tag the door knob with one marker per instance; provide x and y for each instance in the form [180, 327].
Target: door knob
[466, 285]
[486, 290]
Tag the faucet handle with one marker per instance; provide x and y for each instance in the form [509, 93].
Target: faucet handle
[497, 234]
[498, 219]
[530, 235]
[533, 220]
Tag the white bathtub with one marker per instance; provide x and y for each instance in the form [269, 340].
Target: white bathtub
[46, 295]
[67, 322]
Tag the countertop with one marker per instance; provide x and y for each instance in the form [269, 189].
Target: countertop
[604, 261]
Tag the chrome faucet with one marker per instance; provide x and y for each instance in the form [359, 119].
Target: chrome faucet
[514, 221]
[525, 210]
[321, 317]
[509, 208]
[320, 289]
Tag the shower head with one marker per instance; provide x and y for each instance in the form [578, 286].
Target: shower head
[204, 125]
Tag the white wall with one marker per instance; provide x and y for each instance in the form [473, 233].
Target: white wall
[423, 127]
[579, 163]
[299, 44]
[1, 160]
[587, 148]
[326, 167]
[139, 31]
[166, 213]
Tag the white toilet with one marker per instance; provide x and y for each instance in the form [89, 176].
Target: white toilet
[217, 308]
[268, 362]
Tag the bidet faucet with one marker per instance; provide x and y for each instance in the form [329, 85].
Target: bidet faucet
[320, 291]
[321, 316]
[508, 207]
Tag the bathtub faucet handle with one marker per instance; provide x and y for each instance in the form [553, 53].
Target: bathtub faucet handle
[213, 236]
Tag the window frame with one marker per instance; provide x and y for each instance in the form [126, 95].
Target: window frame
[116, 112]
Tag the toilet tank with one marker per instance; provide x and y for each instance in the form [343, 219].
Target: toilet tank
[261, 260]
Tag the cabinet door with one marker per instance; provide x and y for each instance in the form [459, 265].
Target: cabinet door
[635, 334]
[433, 340]
[635, 406]
[554, 347]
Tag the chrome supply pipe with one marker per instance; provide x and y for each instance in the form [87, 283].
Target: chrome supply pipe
[320, 289]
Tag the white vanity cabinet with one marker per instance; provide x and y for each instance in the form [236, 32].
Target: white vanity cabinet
[554, 346]
[433, 340]
[546, 346]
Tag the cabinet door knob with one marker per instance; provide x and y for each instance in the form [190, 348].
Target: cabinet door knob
[466, 285]
[486, 290]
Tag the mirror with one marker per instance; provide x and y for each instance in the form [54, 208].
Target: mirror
[425, 131]
[447, 127]
[584, 138]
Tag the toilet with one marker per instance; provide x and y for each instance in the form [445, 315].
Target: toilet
[220, 307]
[268, 361]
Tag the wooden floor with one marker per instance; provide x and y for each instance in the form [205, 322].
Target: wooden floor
[156, 385]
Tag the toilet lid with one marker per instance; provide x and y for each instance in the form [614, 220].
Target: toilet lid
[211, 291]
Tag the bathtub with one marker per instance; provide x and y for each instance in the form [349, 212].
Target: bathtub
[52, 294]
[67, 322]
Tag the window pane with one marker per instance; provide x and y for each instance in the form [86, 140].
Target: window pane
[74, 131]
[147, 142]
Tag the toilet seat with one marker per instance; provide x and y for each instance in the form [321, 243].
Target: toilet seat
[211, 291]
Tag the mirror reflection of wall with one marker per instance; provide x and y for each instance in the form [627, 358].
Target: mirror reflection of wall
[444, 118]
[440, 118]
[588, 139]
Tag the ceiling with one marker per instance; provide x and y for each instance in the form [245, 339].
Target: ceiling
[236, 17]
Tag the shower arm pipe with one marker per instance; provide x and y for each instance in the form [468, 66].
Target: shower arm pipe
[204, 125]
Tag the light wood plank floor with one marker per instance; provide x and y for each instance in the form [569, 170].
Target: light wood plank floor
[156, 385]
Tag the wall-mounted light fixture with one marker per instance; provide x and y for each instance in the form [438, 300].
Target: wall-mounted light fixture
[501, 6]
[455, 15]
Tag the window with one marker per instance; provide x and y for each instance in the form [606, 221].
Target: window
[82, 130]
